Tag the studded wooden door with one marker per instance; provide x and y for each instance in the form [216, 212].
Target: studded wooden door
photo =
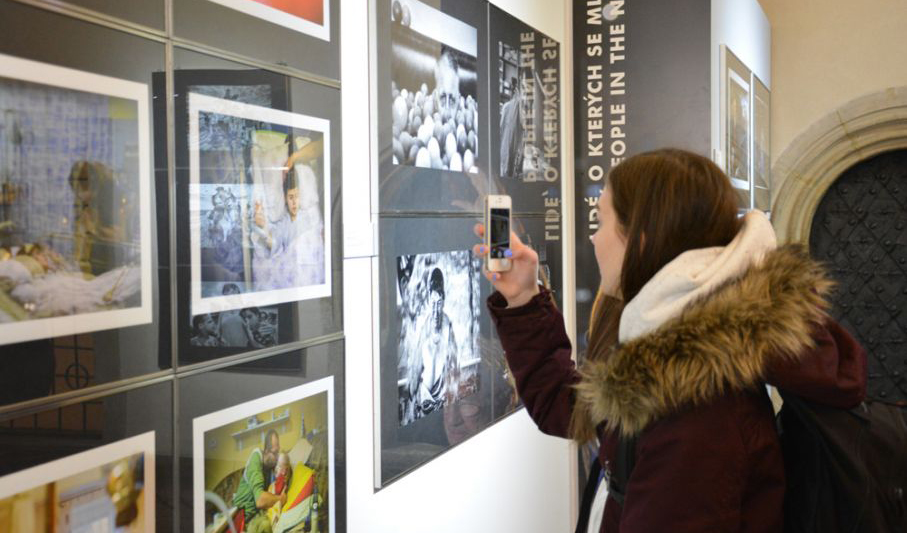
[860, 231]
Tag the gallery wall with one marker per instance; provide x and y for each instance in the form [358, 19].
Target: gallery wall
[829, 53]
[110, 85]
[510, 465]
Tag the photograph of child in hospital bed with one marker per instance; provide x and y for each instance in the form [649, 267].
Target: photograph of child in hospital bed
[267, 466]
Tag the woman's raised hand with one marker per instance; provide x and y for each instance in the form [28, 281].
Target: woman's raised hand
[519, 284]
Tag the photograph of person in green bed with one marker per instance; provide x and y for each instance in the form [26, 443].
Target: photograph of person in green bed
[266, 470]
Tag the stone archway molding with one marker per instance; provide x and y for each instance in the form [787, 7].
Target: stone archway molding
[858, 130]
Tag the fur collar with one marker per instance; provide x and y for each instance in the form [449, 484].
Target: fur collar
[719, 343]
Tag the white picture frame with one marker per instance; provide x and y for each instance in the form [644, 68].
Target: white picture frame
[277, 16]
[53, 76]
[209, 304]
[244, 411]
[84, 462]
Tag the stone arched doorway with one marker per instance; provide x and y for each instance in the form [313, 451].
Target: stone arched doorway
[860, 231]
[837, 173]
[854, 132]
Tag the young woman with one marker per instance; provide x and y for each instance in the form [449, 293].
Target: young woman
[697, 310]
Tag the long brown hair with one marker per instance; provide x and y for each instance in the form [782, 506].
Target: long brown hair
[667, 202]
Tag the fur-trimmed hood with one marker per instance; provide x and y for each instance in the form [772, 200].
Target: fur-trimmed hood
[720, 342]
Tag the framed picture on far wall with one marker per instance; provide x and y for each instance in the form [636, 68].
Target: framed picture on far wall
[311, 17]
[277, 450]
[736, 117]
[110, 488]
[762, 161]
[259, 205]
[75, 202]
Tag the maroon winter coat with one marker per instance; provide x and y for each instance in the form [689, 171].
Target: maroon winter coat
[707, 455]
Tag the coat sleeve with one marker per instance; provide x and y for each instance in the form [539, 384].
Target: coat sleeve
[538, 352]
[832, 373]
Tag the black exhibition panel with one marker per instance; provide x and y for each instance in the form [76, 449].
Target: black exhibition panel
[148, 13]
[56, 433]
[225, 410]
[110, 298]
[226, 161]
[414, 426]
[641, 81]
[542, 234]
[133, 146]
[525, 78]
[447, 72]
[432, 105]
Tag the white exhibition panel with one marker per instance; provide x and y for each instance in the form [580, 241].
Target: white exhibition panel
[509, 477]
[743, 27]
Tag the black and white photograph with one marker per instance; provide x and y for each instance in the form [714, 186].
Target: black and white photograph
[258, 195]
[522, 154]
[75, 202]
[249, 327]
[525, 116]
[438, 353]
[435, 105]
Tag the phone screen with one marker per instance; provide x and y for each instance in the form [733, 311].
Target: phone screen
[499, 238]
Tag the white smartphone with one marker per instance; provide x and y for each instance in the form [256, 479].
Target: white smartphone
[497, 232]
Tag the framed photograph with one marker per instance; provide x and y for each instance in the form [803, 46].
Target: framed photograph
[432, 105]
[75, 202]
[311, 17]
[110, 488]
[762, 161]
[525, 114]
[259, 205]
[435, 105]
[438, 310]
[250, 327]
[736, 121]
[267, 463]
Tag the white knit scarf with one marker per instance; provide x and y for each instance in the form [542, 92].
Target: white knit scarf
[695, 273]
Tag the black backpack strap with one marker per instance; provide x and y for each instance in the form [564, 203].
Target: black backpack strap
[619, 476]
[585, 507]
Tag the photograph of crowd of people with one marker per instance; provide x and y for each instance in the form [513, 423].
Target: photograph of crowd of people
[435, 106]
[107, 489]
[258, 205]
[520, 97]
[249, 327]
[266, 466]
[306, 16]
[438, 349]
[74, 202]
